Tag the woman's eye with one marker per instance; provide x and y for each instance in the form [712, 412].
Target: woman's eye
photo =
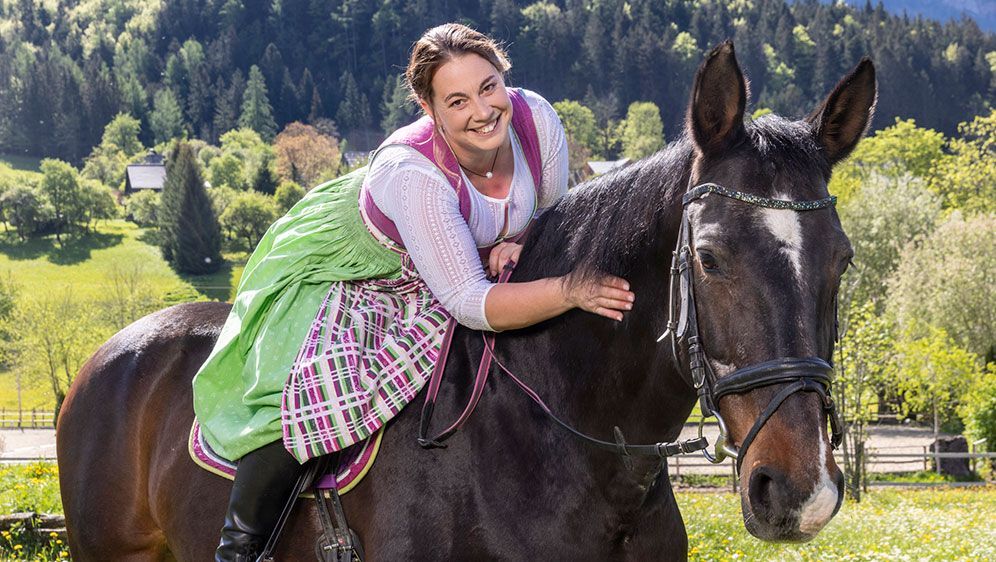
[708, 261]
[457, 103]
[489, 87]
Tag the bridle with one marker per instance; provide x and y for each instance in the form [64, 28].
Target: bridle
[799, 374]
[806, 374]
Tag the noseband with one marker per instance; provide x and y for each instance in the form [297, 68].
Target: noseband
[798, 374]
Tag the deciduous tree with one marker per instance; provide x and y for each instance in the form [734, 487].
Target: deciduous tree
[642, 131]
[248, 217]
[304, 155]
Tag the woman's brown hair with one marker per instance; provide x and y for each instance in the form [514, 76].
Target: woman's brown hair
[442, 44]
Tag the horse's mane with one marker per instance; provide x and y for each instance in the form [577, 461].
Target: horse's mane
[606, 223]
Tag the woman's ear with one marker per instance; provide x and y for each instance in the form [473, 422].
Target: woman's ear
[426, 108]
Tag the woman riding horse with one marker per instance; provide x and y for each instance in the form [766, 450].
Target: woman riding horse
[761, 254]
[342, 307]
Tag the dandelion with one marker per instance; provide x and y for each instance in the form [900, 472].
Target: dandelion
[58, 541]
[18, 547]
[53, 534]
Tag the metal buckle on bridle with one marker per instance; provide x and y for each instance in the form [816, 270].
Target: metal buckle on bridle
[722, 449]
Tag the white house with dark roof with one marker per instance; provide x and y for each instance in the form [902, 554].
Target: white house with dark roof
[597, 168]
[150, 173]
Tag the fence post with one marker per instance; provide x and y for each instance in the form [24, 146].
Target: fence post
[925, 458]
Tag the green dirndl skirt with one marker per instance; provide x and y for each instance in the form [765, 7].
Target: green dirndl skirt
[321, 240]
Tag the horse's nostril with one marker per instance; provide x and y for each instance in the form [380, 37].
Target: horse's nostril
[765, 494]
[760, 492]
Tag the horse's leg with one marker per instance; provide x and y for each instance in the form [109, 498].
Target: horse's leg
[122, 443]
[102, 468]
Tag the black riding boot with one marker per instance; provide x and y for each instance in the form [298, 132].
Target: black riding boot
[263, 482]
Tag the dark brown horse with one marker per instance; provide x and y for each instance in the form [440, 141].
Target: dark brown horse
[511, 485]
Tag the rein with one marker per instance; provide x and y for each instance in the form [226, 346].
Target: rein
[801, 374]
[798, 374]
[660, 450]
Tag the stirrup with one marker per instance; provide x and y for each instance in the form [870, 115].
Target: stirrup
[338, 543]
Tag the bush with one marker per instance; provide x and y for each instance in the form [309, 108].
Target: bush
[288, 194]
[142, 208]
[248, 217]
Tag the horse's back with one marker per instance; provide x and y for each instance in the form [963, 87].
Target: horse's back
[129, 405]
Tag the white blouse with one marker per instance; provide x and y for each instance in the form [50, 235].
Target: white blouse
[417, 197]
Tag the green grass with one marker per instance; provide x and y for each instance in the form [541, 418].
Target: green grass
[42, 268]
[919, 477]
[934, 524]
[30, 488]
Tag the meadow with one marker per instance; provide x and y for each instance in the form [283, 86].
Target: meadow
[948, 524]
[85, 267]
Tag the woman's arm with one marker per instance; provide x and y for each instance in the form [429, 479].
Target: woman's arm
[516, 305]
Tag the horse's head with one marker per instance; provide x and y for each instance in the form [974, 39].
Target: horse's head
[764, 279]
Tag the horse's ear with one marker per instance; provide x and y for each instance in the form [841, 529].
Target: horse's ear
[843, 117]
[716, 111]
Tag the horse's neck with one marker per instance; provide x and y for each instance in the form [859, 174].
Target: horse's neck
[596, 374]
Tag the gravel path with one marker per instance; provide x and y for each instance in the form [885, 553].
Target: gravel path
[19, 444]
[893, 439]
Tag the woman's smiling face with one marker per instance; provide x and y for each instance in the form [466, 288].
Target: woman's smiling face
[470, 103]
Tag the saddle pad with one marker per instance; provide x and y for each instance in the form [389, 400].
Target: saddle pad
[354, 463]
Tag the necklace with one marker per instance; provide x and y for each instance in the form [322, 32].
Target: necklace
[490, 172]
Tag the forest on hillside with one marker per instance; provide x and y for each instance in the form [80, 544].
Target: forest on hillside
[188, 67]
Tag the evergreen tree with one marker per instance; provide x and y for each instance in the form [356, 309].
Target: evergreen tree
[272, 66]
[190, 238]
[354, 111]
[100, 98]
[316, 112]
[265, 180]
[257, 114]
[305, 87]
[290, 106]
[166, 119]
[398, 110]
[226, 106]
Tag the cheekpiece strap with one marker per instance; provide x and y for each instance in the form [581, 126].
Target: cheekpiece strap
[705, 188]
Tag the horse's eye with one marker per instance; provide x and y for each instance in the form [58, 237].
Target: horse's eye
[708, 261]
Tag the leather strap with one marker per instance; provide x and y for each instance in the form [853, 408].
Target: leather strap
[662, 450]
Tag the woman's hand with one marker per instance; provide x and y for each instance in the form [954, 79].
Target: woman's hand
[607, 296]
[502, 253]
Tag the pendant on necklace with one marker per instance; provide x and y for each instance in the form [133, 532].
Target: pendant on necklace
[488, 175]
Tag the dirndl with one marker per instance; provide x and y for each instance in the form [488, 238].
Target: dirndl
[321, 241]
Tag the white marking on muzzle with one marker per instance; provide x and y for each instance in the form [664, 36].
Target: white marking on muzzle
[785, 226]
[816, 512]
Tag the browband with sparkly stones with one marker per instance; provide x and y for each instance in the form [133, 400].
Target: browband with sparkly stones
[757, 199]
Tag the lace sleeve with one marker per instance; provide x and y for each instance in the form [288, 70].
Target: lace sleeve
[426, 211]
[553, 150]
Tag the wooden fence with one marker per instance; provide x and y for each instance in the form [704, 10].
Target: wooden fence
[27, 419]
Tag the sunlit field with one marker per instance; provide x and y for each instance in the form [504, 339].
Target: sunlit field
[894, 525]
[888, 525]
